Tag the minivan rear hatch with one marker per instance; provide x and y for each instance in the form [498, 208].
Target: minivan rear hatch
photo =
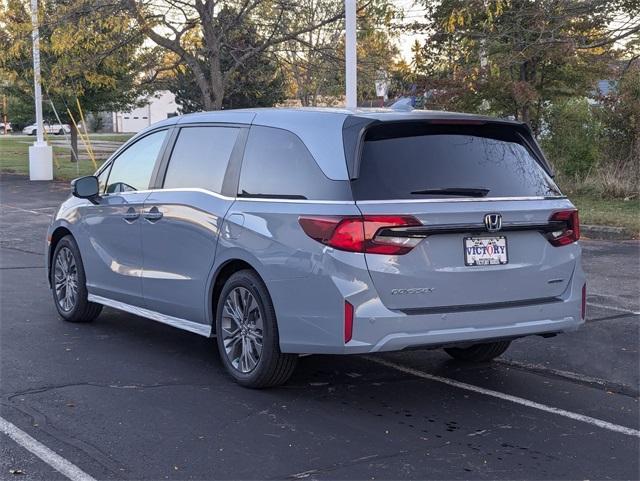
[485, 208]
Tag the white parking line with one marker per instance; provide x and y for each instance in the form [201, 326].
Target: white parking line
[28, 210]
[619, 309]
[508, 397]
[57, 462]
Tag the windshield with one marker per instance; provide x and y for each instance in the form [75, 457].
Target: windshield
[448, 161]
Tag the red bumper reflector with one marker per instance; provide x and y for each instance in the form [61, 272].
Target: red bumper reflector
[348, 322]
[583, 312]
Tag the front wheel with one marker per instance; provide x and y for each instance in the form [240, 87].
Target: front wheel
[247, 333]
[68, 283]
[478, 352]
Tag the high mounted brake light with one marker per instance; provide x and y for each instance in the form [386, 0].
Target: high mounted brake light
[362, 233]
[568, 230]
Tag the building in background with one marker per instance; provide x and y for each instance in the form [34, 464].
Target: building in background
[158, 106]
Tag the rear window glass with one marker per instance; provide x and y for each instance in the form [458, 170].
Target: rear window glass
[448, 162]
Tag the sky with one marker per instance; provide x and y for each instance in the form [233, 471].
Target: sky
[413, 11]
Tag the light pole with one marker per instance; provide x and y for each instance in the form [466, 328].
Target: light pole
[351, 54]
[40, 154]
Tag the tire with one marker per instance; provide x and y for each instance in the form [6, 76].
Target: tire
[33, 132]
[263, 365]
[67, 264]
[61, 132]
[478, 352]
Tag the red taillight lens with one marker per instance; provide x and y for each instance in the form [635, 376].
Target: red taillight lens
[362, 233]
[583, 312]
[569, 231]
[348, 322]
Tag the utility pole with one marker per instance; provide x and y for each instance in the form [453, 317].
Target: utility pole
[40, 154]
[4, 113]
[351, 54]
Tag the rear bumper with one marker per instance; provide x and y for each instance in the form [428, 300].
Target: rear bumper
[377, 328]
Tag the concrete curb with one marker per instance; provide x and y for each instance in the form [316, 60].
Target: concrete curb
[605, 232]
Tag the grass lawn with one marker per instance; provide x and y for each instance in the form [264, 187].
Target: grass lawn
[14, 155]
[615, 212]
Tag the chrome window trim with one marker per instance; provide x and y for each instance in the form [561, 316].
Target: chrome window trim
[190, 189]
[296, 201]
[202, 329]
[339, 202]
[460, 199]
[247, 199]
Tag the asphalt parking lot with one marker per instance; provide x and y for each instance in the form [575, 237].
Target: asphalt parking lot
[127, 398]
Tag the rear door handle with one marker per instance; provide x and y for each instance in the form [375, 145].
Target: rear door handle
[130, 215]
[153, 214]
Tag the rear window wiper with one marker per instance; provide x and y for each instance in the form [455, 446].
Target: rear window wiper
[462, 191]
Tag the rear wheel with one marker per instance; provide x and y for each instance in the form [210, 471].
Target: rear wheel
[247, 333]
[478, 352]
[68, 283]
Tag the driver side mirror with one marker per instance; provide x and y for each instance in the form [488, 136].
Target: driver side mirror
[86, 188]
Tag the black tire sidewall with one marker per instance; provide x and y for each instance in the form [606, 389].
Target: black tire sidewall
[81, 303]
[249, 280]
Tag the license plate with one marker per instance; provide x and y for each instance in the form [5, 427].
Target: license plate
[485, 251]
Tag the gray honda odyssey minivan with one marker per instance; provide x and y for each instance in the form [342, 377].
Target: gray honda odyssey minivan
[311, 231]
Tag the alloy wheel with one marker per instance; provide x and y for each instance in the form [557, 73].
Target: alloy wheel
[66, 279]
[242, 329]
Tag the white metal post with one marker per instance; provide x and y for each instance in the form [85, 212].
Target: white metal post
[351, 54]
[40, 154]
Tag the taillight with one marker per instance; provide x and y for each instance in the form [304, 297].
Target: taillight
[348, 321]
[568, 227]
[373, 234]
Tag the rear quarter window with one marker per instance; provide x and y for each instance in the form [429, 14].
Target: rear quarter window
[277, 164]
[449, 161]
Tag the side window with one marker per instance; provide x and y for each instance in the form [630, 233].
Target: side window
[200, 157]
[102, 179]
[132, 169]
[277, 164]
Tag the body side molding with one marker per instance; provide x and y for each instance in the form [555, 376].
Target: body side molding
[202, 329]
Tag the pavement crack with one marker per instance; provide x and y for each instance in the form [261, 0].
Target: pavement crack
[26, 251]
[41, 422]
[573, 377]
[9, 397]
[21, 267]
[333, 467]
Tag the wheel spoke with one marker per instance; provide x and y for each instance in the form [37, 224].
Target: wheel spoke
[242, 329]
[65, 279]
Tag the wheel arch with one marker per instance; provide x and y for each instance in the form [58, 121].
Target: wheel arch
[222, 273]
[58, 233]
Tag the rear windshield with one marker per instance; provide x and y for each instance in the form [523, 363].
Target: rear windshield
[448, 161]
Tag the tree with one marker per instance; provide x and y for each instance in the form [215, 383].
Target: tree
[311, 60]
[202, 38]
[315, 62]
[89, 52]
[259, 83]
[516, 57]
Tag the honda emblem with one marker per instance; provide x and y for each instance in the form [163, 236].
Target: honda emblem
[493, 222]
